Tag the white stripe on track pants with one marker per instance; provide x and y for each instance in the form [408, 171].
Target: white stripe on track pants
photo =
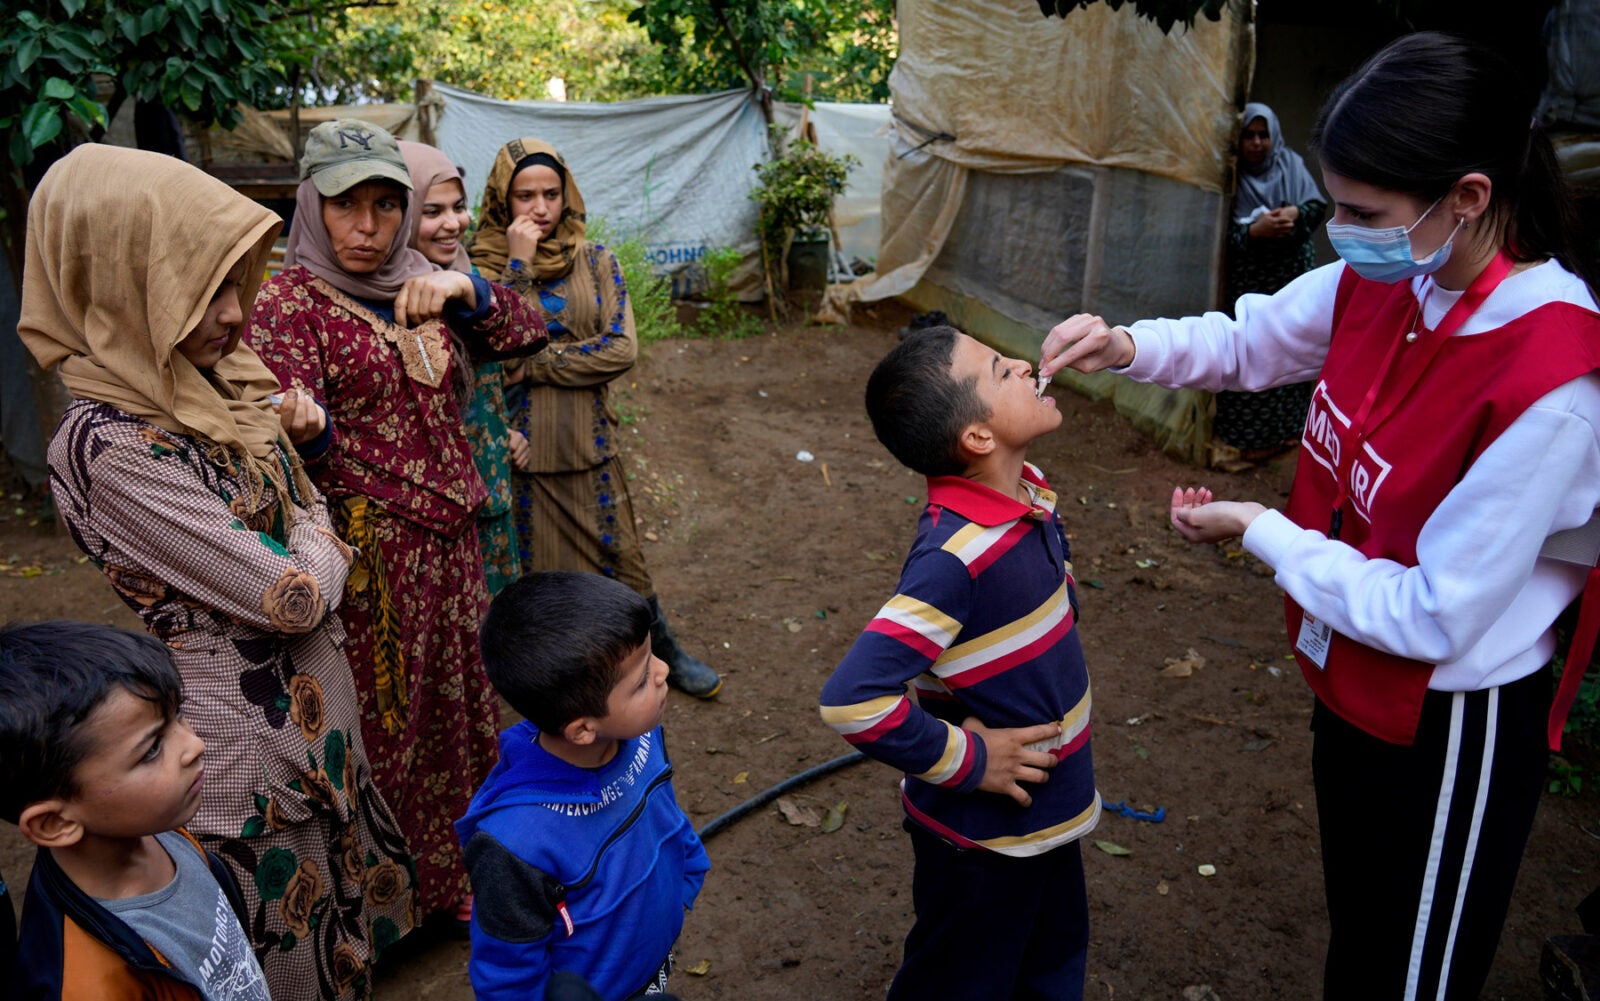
[1421, 844]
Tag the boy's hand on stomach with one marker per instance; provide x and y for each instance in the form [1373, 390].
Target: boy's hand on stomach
[1010, 761]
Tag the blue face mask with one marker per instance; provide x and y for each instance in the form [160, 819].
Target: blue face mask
[1384, 255]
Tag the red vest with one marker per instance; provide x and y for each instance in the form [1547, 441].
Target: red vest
[1414, 455]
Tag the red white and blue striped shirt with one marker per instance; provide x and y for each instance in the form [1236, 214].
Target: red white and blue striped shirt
[983, 625]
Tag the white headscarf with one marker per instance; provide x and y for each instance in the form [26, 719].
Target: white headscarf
[1281, 179]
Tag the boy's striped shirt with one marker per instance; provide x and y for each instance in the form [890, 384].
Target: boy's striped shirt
[983, 624]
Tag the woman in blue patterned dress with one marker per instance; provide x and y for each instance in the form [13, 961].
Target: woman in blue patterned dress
[570, 495]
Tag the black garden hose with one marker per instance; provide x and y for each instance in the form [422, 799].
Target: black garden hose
[766, 796]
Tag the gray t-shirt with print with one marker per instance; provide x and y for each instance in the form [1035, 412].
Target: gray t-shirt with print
[191, 923]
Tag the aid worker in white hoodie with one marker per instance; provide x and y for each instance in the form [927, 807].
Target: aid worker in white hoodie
[1440, 518]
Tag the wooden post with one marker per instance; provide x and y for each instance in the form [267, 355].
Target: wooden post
[425, 126]
[294, 113]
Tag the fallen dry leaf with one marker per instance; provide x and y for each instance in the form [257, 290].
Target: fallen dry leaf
[699, 969]
[1112, 848]
[799, 816]
[835, 818]
[741, 778]
[1183, 667]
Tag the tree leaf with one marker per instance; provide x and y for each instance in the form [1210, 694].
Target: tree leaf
[73, 41]
[1112, 848]
[92, 112]
[799, 816]
[58, 89]
[153, 20]
[835, 817]
[27, 52]
[41, 123]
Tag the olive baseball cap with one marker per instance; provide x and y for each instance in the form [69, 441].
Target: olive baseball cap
[342, 153]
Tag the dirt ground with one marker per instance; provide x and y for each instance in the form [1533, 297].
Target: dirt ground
[771, 565]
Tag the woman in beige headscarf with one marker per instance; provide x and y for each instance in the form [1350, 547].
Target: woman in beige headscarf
[174, 471]
[569, 492]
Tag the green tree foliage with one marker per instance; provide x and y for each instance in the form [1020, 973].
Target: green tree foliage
[506, 49]
[607, 50]
[199, 57]
[848, 46]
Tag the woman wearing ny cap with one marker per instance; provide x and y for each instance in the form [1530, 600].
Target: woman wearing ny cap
[1454, 428]
[364, 323]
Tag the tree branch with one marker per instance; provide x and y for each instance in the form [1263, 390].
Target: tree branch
[718, 7]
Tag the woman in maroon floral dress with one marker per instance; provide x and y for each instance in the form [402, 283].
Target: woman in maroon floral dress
[364, 323]
[174, 475]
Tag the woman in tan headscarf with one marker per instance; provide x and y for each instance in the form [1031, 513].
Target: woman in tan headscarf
[177, 477]
[569, 492]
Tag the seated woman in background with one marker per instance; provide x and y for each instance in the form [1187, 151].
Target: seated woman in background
[176, 477]
[363, 322]
[441, 227]
[570, 493]
[1276, 209]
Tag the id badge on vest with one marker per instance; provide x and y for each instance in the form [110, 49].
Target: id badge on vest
[1314, 639]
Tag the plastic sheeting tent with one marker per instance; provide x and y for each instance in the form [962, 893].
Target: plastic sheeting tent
[1041, 168]
[676, 170]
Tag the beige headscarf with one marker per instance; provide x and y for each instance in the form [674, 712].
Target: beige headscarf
[430, 166]
[557, 252]
[125, 250]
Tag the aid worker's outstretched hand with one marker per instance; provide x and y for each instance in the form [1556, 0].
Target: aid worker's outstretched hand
[1198, 518]
[1010, 761]
[1086, 343]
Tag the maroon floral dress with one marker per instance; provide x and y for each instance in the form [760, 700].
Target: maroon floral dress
[401, 482]
[244, 600]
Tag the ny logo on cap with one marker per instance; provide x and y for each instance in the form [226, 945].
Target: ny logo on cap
[355, 136]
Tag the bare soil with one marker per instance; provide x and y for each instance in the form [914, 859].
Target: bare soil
[770, 565]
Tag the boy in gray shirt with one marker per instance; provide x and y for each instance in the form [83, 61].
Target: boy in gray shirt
[99, 771]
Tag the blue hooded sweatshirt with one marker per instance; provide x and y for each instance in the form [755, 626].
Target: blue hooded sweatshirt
[578, 869]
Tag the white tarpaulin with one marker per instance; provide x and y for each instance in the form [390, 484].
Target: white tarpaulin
[1045, 167]
[677, 170]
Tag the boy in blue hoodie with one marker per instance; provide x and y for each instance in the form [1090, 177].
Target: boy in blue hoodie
[580, 856]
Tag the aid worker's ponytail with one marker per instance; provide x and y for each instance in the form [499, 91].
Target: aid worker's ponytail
[1430, 108]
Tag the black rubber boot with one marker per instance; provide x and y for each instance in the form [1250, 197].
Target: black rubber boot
[684, 672]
